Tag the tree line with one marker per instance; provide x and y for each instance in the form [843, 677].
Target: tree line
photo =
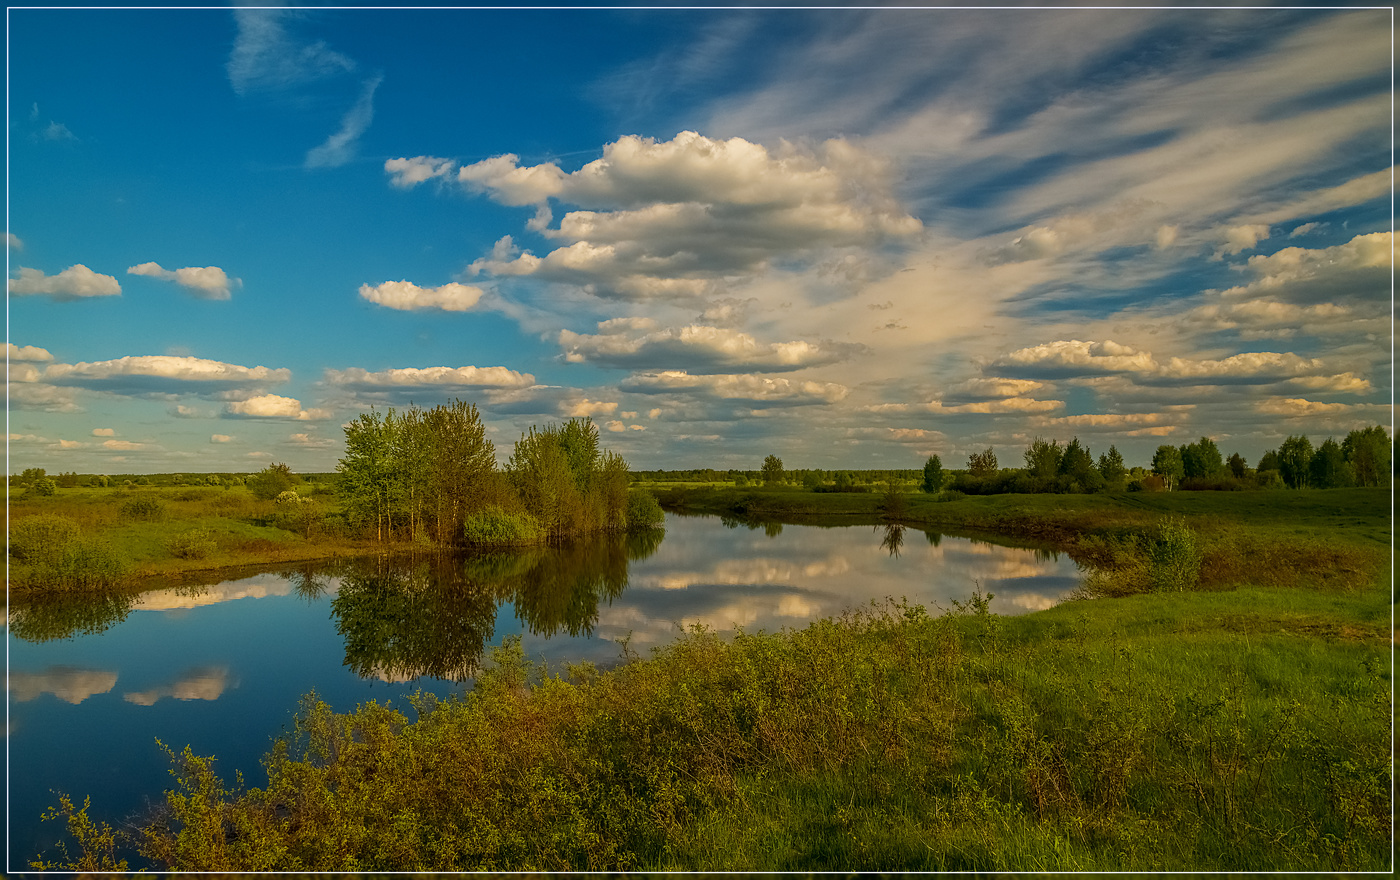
[431, 475]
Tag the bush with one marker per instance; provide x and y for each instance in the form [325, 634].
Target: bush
[143, 509]
[272, 481]
[78, 565]
[643, 511]
[41, 536]
[496, 527]
[194, 544]
[1174, 561]
[43, 487]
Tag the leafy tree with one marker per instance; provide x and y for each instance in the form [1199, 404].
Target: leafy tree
[1237, 466]
[1166, 462]
[1111, 467]
[1268, 461]
[366, 473]
[272, 481]
[461, 465]
[1329, 468]
[43, 486]
[772, 470]
[1077, 463]
[811, 479]
[933, 475]
[1368, 452]
[1295, 461]
[1043, 459]
[1201, 459]
[982, 464]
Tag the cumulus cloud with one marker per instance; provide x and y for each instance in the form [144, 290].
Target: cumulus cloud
[1242, 238]
[122, 445]
[993, 388]
[1072, 357]
[272, 406]
[75, 282]
[1357, 271]
[408, 173]
[1004, 405]
[311, 441]
[446, 378]
[1297, 408]
[666, 219]
[585, 408]
[104, 432]
[756, 391]
[30, 353]
[12, 242]
[158, 375]
[205, 282]
[696, 349]
[220, 438]
[406, 296]
[340, 147]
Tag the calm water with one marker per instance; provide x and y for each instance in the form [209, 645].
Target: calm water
[221, 668]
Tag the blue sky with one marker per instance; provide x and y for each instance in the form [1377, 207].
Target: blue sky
[850, 238]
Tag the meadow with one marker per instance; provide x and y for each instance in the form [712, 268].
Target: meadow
[1236, 719]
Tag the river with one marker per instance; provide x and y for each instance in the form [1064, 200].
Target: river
[94, 683]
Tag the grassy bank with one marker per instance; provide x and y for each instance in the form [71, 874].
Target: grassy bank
[1228, 731]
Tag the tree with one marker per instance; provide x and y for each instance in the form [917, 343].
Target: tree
[1237, 466]
[1268, 461]
[1111, 467]
[982, 464]
[1077, 463]
[1201, 459]
[1166, 462]
[933, 475]
[1368, 452]
[272, 481]
[1295, 460]
[1329, 468]
[461, 463]
[366, 475]
[772, 470]
[1043, 459]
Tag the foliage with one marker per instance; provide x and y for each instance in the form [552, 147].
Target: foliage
[1043, 459]
[272, 481]
[143, 508]
[1167, 464]
[82, 564]
[1237, 466]
[494, 527]
[1174, 560]
[41, 537]
[1295, 461]
[772, 470]
[96, 841]
[982, 464]
[1367, 450]
[933, 475]
[194, 544]
[1111, 467]
[1329, 468]
[643, 511]
[1201, 459]
[43, 487]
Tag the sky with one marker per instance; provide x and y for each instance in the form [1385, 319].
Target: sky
[850, 238]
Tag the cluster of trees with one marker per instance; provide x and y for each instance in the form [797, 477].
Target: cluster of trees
[1049, 467]
[420, 475]
[1363, 458]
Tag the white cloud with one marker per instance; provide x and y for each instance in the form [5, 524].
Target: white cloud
[311, 441]
[696, 348]
[31, 353]
[266, 57]
[207, 282]
[408, 173]
[340, 147]
[757, 391]
[272, 406]
[104, 432]
[406, 296]
[421, 377]
[585, 408]
[122, 445]
[1242, 238]
[163, 375]
[1075, 358]
[220, 438]
[1358, 270]
[1297, 408]
[12, 242]
[1004, 405]
[71, 444]
[992, 388]
[205, 683]
[68, 683]
[75, 282]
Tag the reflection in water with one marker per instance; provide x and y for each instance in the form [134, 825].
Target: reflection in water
[203, 683]
[894, 538]
[434, 616]
[63, 616]
[68, 683]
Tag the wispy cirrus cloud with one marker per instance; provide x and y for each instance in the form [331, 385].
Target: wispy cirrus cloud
[266, 56]
[341, 147]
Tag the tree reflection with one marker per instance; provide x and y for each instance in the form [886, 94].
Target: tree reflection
[43, 618]
[434, 617]
[893, 539]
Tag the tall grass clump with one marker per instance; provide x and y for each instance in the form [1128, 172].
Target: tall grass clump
[1174, 559]
[52, 554]
[193, 544]
[143, 509]
[41, 536]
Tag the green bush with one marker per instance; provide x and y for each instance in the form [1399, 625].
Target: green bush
[41, 536]
[143, 509]
[1174, 561]
[43, 487]
[194, 544]
[80, 564]
[496, 527]
[643, 511]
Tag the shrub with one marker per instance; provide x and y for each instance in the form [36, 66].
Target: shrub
[34, 538]
[142, 509]
[643, 511]
[294, 513]
[43, 487]
[194, 544]
[1174, 561]
[272, 481]
[496, 527]
[77, 565]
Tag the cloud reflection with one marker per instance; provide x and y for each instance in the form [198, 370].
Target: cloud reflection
[201, 683]
[69, 683]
